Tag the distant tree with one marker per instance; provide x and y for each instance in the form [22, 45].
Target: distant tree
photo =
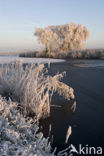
[62, 38]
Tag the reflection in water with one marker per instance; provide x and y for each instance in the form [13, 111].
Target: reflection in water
[58, 125]
[69, 132]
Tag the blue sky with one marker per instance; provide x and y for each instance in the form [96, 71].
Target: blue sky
[19, 18]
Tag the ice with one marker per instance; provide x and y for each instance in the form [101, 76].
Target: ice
[8, 59]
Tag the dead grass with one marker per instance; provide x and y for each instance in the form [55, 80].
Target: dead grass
[32, 88]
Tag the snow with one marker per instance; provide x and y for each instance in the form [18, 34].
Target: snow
[8, 59]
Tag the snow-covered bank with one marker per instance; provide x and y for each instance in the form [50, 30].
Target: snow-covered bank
[19, 135]
[8, 59]
[26, 92]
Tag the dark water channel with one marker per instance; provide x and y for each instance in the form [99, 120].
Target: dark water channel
[87, 79]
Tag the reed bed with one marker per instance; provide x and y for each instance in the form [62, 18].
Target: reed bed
[32, 87]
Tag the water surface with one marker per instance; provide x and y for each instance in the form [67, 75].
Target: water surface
[87, 79]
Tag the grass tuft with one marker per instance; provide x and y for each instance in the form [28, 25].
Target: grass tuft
[32, 87]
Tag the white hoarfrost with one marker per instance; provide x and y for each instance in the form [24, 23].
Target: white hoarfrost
[19, 136]
[28, 91]
[62, 38]
[32, 87]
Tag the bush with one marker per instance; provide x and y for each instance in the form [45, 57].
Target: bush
[84, 54]
[28, 54]
[32, 87]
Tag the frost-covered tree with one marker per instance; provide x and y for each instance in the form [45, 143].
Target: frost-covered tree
[62, 38]
[47, 37]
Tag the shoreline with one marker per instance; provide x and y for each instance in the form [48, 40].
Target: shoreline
[88, 120]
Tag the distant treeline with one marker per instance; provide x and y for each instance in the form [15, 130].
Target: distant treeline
[28, 54]
[82, 54]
